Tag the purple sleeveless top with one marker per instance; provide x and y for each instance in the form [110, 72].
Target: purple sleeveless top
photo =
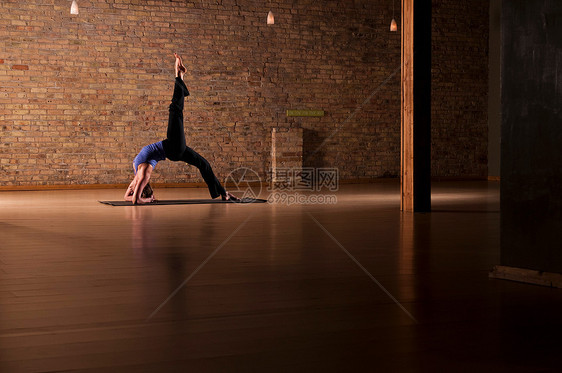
[150, 154]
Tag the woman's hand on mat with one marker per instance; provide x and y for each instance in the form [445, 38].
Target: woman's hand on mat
[129, 193]
[142, 201]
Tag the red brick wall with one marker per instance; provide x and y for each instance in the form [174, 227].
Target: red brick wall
[82, 94]
[460, 88]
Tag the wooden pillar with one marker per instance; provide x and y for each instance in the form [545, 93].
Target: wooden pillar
[416, 106]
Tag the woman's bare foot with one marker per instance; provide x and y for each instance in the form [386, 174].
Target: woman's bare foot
[230, 197]
[179, 67]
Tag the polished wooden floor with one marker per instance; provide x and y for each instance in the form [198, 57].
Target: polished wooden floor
[355, 286]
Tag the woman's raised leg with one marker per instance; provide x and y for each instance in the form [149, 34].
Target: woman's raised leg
[174, 145]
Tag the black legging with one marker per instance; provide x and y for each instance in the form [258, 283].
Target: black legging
[175, 147]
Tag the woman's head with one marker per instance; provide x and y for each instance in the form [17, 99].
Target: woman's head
[147, 192]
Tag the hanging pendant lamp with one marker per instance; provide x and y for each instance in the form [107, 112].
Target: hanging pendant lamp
[74, 7]
[270, 18]
[393, 25]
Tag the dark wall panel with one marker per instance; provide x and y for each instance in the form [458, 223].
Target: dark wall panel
[531, 151]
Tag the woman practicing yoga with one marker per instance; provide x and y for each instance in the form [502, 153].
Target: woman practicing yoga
[174, 149]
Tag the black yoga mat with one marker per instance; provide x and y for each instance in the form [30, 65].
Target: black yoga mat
[183, 202]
